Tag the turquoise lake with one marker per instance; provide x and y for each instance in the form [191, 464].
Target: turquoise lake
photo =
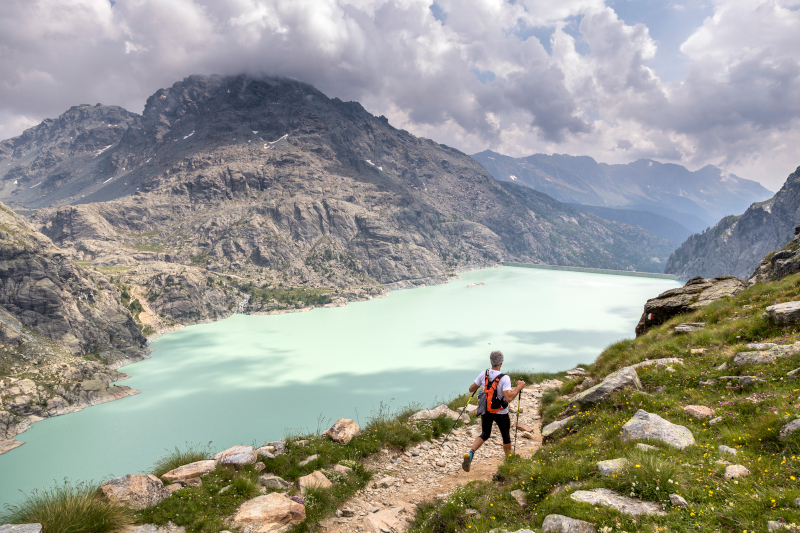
[252, 379]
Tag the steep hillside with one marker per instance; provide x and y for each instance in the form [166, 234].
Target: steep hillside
[263, 194]
[657, 225]
[693, 199]
[737, 243]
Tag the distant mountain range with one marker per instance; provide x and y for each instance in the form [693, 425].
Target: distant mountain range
[694, 200]
[736, 244]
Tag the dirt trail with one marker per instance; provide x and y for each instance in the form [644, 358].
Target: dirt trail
[432, 469]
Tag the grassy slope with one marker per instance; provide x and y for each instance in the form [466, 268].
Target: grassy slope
[593, 435]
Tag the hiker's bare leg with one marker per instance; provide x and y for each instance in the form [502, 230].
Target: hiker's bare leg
[477, 444]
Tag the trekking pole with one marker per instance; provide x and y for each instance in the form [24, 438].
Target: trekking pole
[459, 418]
[516, 429]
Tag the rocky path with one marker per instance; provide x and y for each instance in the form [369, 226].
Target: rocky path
[432, 470]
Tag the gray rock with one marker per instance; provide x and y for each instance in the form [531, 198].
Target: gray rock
[785, 313]
[648, 426]
[279, 445]
[753, 358]
[343, 431]
[645, 447]
[237, 456]
[689, 327]
[793, 373]
[271, 481]
[137, 492]
[625, 378]
[308, 459]
[678, 501]
[428, 414]
[797, 502]
[716, 420]
[774, 525]
[760, 346]
[21, 528]
[520, 497]
[660, 362]
[552, 427]
[618, 502]
[612, 466]
[789, 428]
[725, 449]
[152, 528]
[746, 381]
[474, 512]
[556, 523]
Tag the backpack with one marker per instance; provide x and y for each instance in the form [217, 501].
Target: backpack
[489, 390]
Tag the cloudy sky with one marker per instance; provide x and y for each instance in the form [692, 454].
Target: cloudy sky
[686, 81]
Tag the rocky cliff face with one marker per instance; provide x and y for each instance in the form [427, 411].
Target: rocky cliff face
[693, 199]
[63, 331]
[263, 194]
[737, 244]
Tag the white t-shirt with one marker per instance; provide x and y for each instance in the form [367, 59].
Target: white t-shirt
[504, 385]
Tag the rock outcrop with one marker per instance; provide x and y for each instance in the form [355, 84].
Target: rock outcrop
[135, 491]
[624, 378]
[556, 523]
[618, 502]
[648, 426]
[783, 314]
[697, 293]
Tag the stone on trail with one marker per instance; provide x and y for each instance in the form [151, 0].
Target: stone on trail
[618, 502]
[678, 501]
[271, 481]
[198, 468]
[520, 497]
[308, 459]
[789, 428]
[137, 492]
[237, 456]
[649, 426]
[552, 427]
[556, 523]
[735, 471]
[385, 482]
[698, 411]
[429, 414]
[343, 431]
[612, 466]
[625, 378]
[725, 449]
[645, 447]
[21, 528]
[271, 513]
[395, 519]
[524, 427]
[315, 480]
[785, 313]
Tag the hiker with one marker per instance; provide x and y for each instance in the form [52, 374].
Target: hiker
[497, 387]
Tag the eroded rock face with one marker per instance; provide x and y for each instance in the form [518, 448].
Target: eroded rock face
[649, 426]
[778, 265]
[135, 491]
[697, 293]
[271, 513]
[192, 470]
[343, 431]
[556, 523]
[625, 378]
[618, 502]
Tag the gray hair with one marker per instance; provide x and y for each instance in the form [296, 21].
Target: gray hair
[496, 358]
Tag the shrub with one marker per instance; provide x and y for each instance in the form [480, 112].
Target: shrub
[649, 476]
[69, 509]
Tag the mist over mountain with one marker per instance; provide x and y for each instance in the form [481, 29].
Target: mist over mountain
[695, 200]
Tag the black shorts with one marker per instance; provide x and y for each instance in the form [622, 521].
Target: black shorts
[503, 422]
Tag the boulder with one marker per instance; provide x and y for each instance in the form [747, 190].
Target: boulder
[697, 293]
[173, 487]
[520, 497]
[271, 513]
[760, 346]
[343, 470]
[237, 456]
[735, 471]
[135, 491]
[689, 327]
[789, 428]
[649, 426]
[198, 468]
[612, 466]
[618, 502]
[271, 481]
[678, 501]
[21, 528]
[556, 523]
[625, 378]
[552, 427]
[753, 358]
[314, 480]
[429, 414]
[698, 411]
[308, 460]
[343, 431]
[785, 313]
[395, 519]
[725, 449]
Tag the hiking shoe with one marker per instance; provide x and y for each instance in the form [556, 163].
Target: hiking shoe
[465, 464]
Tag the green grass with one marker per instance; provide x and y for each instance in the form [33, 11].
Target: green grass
[178, 457]
[69, 509]
[715, 505]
